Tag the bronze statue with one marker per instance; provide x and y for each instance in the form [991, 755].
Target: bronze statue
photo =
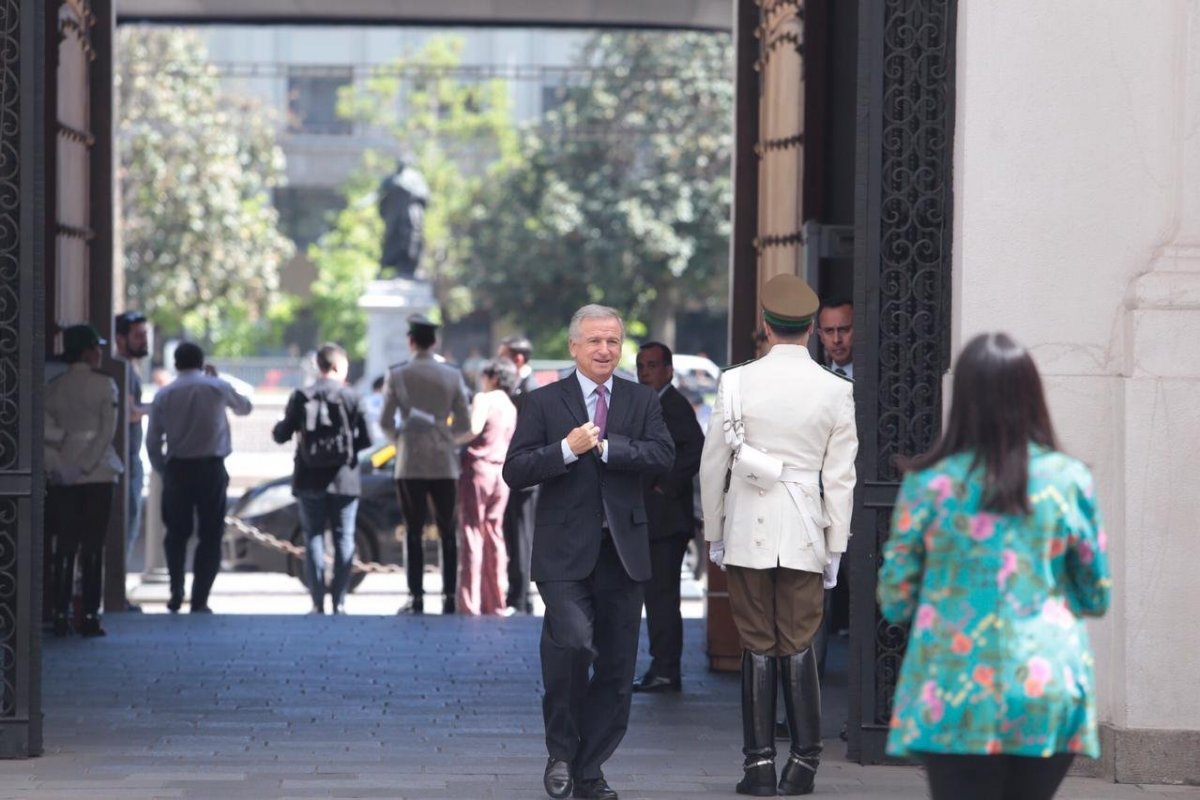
[403, 196]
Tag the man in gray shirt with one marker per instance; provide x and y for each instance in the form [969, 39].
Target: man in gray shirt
[188, 416]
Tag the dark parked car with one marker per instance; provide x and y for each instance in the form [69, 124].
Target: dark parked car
[271, 508]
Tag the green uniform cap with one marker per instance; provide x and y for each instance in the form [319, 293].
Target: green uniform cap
[418, 321]
[789, 302]
[78, 338]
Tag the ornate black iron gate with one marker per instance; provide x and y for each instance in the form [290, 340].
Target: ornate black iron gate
[22, 255]
[903, 216]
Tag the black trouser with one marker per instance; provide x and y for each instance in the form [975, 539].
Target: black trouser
[519, 519]
[77, 520]
[415, 494]
[999, 777]
[592, 623]
[193, 499]
[664, 623]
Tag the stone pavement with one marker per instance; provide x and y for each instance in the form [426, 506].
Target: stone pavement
[251, 707]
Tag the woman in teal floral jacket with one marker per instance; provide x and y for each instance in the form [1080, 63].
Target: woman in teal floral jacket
[996, 554]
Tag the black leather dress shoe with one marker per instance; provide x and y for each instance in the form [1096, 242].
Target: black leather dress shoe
[656, 683]
[91, 627]
[594, 790]
[412, 607]
[175, 603]
[557, 779]
[201, 609]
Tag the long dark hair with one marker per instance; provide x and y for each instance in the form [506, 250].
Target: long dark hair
[996, 410]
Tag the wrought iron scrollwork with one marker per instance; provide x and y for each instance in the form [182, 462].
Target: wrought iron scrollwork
[915, 113]
[10, 317]
[8, 606]
[914, 263]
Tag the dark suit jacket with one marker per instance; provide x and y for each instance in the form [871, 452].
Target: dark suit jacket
[575, 499]
[670, 501]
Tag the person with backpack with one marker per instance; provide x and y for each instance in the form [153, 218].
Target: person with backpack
[330, 428]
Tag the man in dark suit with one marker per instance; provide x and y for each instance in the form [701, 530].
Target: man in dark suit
[518, 513]
[671, 512]
[587, 439]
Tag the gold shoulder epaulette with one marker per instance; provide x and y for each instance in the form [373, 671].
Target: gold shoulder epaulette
[742, 364]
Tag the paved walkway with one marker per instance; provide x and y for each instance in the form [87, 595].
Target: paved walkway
[246, 707]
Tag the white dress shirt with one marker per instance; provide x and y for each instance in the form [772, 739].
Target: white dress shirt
[590, 398]
[188, 416]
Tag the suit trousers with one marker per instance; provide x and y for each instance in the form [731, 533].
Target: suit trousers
[664, 622]
[589, 653]
[194, 499]
[77, 521]
[482, 493]
[415, 494]
[519, 519]
[776, 611]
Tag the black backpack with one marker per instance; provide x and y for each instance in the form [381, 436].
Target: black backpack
[326, 439]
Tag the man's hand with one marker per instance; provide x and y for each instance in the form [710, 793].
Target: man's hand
[716, 553]
[831, 570]
[585, 437]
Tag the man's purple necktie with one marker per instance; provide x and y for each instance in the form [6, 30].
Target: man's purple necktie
[601, 417]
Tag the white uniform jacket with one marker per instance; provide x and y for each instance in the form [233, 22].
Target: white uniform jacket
[81, 417]
[798, 412]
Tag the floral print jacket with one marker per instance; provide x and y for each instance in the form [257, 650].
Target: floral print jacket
[998, 659]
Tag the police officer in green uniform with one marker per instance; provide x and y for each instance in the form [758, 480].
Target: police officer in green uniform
[82, 469]
[782, 428]
[431, 399]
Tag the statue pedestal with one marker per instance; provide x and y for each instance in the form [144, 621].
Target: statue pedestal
[388, 304]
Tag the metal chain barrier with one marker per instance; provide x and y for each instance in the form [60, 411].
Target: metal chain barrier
[273, 542]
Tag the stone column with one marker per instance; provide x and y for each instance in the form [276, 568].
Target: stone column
[388, 304]
[1154, 733]
[780, 146]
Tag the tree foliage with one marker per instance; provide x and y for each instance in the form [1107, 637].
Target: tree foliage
[457, 134]
[200, 237]
[623, 193]
[347, 260]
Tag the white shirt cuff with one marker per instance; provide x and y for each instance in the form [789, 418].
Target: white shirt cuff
[568, 456]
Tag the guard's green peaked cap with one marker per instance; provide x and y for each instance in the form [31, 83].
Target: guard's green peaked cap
[788, 301]
[416, 321]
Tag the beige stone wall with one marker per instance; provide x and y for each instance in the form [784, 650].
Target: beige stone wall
[1077, 229]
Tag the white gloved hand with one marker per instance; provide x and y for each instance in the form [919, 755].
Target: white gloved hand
[716, 553]
[831, 570]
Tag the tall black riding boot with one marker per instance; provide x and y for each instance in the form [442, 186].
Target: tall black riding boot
[91, 567]
[802, 704]
[759, 681]
[62, 577]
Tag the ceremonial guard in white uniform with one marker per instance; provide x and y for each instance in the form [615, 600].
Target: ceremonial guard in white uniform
[782, 429]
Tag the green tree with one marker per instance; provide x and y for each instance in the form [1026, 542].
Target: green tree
[347, 259]
[201, 242]
[623, 193]
[457, 134]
